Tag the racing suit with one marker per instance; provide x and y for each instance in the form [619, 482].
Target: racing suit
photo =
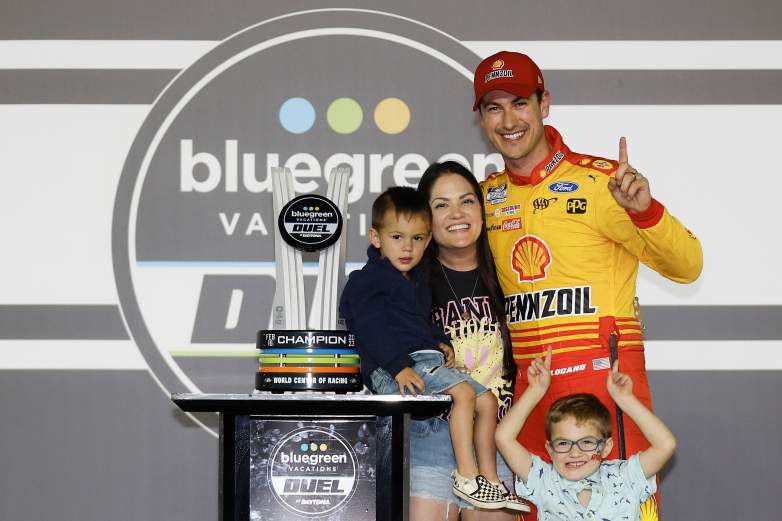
[567, 259]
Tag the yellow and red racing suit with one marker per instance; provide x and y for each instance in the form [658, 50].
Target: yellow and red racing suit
[567, 258]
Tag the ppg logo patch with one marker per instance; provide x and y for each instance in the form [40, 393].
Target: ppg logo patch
[576, 206]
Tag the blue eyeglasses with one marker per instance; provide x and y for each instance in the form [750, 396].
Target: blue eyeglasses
[588, 444]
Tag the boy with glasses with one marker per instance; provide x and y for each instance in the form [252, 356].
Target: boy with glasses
[580, 484]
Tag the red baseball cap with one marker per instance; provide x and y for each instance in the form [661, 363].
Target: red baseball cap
[509, 71]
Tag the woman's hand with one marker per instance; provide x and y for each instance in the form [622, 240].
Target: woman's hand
[448, 352]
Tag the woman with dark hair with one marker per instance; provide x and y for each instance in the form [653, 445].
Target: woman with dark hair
[468, 306]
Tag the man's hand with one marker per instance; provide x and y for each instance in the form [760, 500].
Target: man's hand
[539, 374]
[628, 186]
[409, 380]
[620, 385]
[448, 352]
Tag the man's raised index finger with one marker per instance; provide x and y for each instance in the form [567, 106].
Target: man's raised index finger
[623, 149]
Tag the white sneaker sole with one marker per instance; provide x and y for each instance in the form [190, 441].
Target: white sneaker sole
[517, 507]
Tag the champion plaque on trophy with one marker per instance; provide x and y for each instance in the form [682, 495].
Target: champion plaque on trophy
[296, 355]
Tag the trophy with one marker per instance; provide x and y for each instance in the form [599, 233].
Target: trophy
[319, 355]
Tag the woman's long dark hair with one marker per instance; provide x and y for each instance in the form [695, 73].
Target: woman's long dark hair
[486, 269]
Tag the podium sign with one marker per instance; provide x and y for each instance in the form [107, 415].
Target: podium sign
[304, 470]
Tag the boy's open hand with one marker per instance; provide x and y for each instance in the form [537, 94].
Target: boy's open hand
[448, 352]
[408, 380]
[539, 373]
[619, 384]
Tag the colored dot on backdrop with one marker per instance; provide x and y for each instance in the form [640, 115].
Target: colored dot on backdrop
[313, 447]
[304, 447]
[297, 115]
[344, 115]
[323, 447]
[392, 115]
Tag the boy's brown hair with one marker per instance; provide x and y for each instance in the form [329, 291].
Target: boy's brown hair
[404, 200]
[583, 408]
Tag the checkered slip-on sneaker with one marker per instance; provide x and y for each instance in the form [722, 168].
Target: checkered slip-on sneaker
[512, 501]
[478, 492]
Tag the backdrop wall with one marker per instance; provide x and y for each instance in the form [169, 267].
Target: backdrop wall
[137, 255]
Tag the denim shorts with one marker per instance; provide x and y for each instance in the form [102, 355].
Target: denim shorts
[430, 366]
[432, 462]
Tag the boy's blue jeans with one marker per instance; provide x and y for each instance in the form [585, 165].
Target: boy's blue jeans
[430, 366]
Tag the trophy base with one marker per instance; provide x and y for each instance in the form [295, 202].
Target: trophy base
[336, 382]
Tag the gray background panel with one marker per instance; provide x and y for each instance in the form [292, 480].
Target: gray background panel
[464, 19]
[96, 445]
[568, 87]
[662, 323]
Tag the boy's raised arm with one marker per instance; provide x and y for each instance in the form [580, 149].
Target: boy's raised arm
[518, 457]
[662, 440]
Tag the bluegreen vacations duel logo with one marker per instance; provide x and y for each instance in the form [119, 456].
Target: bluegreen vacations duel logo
[193, 230]
[312, 472]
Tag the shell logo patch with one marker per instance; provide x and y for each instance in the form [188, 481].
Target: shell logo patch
[530, 258]
[498, 64]
[602, 165]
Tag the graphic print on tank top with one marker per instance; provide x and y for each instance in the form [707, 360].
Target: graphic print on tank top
[472, 328]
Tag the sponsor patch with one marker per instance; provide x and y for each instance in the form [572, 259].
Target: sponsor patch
[555, 160]
[494, 228]
[598, 364]
[567, 370]
[563, 187]
[511, 224]
[507, 210]
[549, 303]
[530, 258]
[541, 203]
[576, 206]
[501, 73]
[602, 165]
[497, 194]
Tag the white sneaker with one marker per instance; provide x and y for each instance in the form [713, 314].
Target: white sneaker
[478, 492]
[512, 501]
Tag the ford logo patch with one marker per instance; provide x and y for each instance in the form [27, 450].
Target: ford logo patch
[563, 187]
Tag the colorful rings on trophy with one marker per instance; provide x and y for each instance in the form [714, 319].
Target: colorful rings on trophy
[308, 360]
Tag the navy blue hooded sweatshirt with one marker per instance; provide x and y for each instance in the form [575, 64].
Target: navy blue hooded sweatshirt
[389, 314]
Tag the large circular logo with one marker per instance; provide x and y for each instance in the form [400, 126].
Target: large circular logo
[193, 229]
[313, 472]
[310, 222]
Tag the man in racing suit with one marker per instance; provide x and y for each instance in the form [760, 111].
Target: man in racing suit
[567, 231]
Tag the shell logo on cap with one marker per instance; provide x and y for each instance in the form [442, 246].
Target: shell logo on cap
[498, 64]
[530, 258]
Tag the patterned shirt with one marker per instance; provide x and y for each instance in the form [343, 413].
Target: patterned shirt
[618, 490]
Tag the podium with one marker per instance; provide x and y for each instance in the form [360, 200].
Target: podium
[309, 456]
